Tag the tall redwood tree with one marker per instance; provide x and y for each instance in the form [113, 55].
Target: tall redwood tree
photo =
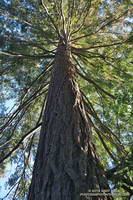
[66, 162]
[68, 70]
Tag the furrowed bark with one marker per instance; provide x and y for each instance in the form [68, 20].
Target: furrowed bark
[66, 163]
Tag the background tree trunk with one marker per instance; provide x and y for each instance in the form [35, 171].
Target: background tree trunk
[66, 163]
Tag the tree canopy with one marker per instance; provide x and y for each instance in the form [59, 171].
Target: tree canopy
[101, 41]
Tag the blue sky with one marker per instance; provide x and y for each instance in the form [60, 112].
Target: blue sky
[10, 169]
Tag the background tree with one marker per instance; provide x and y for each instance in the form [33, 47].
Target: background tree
[64, 43]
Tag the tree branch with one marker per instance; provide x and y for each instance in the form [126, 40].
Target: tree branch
[104, 144]
[52, 21]
[99, 46]
[88, 6]
[100, 28]
[22, 106]
[92, 82]
[14, 54]
[128, 189]
[103, 129]
[28, 43]
[20, 141]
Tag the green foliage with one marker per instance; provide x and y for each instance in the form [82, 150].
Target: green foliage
[100, 35]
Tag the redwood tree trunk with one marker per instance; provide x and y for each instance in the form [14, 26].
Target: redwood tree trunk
[66, 163]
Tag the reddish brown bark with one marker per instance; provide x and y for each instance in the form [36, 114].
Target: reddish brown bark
[66, 163]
